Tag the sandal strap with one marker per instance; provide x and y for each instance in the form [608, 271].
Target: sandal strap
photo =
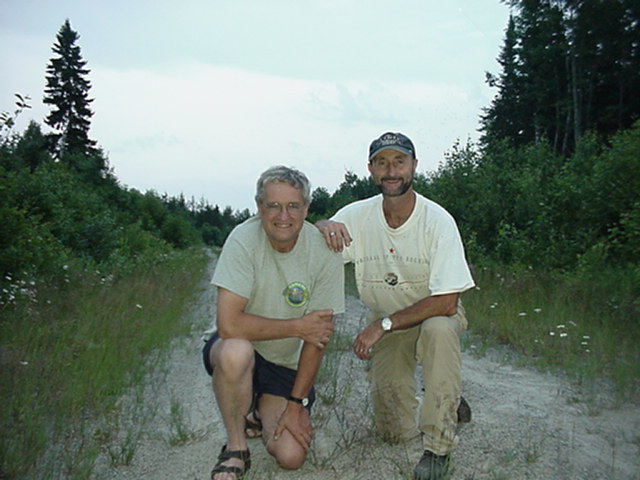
[225, 454]
[252, 421]
[224, 469]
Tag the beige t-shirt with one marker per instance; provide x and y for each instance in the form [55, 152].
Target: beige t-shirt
[281, 285]
[397, 267]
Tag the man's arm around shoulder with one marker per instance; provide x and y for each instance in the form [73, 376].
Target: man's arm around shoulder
[335, 234]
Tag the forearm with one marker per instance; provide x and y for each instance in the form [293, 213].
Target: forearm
[255, 328]
[308, 367]
[433, 306]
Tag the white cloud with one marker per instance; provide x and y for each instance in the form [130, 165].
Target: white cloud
[210, 131]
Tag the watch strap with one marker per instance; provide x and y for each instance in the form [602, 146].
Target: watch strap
[302, 401]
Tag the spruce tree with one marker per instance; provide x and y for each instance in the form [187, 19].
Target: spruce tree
[67, 91]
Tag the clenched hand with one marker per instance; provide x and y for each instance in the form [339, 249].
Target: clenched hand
[317, 327]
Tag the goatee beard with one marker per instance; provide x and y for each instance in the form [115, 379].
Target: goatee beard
[403, 189]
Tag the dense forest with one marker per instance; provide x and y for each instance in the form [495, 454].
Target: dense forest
[554, 180]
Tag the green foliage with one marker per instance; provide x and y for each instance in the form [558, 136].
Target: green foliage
[350, 190]
[529, 206]
[319, 207]
[178, 232]
[213, 224]
[70, 209]
[31, 149]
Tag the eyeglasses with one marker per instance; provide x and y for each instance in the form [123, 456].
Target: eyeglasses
[274, 208]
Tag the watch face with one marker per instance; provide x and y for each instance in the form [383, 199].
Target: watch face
[386, 324]
[305, 401]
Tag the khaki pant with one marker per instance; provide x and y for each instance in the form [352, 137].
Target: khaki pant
[435, 345]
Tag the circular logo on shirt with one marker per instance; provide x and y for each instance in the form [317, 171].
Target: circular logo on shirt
[391, 279]
[296, 294]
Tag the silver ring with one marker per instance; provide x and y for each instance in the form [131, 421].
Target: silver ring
[332, 234]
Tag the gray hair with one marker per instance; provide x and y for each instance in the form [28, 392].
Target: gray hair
[283, 174]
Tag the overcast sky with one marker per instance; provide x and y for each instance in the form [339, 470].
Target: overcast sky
[199, 97]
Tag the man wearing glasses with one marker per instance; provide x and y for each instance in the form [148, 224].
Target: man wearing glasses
[278, 289]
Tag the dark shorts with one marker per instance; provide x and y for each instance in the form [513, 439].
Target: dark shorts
[267, 376]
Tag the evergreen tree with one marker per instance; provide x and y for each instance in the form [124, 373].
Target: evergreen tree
[31, 148]
[67, 91]
[500, 119]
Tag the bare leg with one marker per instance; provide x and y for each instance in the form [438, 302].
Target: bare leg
[287, 451]
[233, 362]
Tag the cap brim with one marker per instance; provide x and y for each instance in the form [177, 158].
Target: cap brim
[406, 151]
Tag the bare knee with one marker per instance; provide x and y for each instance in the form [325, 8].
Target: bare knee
[289, 456]
[232, 356]
[292, 459]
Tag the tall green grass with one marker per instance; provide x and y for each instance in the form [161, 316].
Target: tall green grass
[584, 323]
[69, 351]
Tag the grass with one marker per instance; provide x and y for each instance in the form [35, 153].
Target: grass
[584, 325]
[68, 354]
[180, 433]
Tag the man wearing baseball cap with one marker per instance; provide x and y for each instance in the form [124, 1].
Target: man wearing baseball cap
[410, 270]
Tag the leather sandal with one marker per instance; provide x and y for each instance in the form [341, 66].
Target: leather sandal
[253, 425]
[225, 455]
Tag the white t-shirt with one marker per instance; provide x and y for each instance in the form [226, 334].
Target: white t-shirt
[281, 285]
[397, 267]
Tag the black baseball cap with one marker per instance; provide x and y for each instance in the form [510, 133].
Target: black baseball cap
[396, 141]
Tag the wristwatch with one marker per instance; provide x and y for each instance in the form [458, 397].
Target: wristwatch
[386, 324]
[302, 401]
